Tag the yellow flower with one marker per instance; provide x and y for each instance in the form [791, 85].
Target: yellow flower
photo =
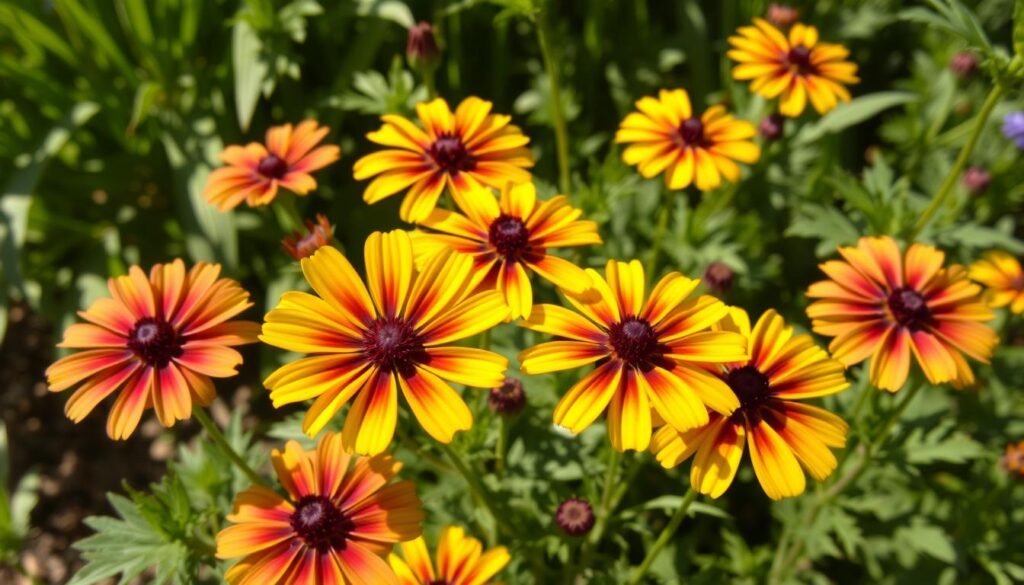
[666, 136]
[797, 68]
[649, 350]
[464, 150]
[1003, 276]
[507, 239]
[368, 345]
[782, 434]
[889, 306]
[460, 561]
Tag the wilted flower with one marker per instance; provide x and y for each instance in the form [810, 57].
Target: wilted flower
[575, 516]
[976, 180]
[1013, 128]
[718, 277]
[782, 15]
[318, 234]
[772, 127]
[507, 399]
[963, 64]
[421, 48]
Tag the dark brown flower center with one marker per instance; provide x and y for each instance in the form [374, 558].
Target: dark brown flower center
[909, 309]
[392, 345]
[800, 58]
[635, 341]
[451, 155]
[154, 342]
[272, 167]
[509, 236]
[749, 385]
[691, 133]
[320, 524]
[575, 516]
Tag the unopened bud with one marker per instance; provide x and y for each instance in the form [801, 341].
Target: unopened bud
[718, 277]
[421, 49]
[963, 64]
[772, 127]
[318, 234]
[782, 15]
[507, 399]
[575, 517]
[976, 180]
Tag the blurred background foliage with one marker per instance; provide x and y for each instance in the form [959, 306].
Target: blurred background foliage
[112, 113]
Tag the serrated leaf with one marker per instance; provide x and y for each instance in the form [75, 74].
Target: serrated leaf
[854, 112]
[941, 445]
[928, 539]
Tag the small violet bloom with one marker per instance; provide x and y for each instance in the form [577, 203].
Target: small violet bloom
[1013, 128]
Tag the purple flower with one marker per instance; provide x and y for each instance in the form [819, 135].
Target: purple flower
[1013, 128]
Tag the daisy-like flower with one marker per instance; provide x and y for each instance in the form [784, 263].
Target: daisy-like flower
[158, 340]
[318, 234]
[255, 172]
[794, 69]
[1001, 273]
[509, 239]
[462, 151]
[665, 136]
[888, 306]
[650, 352]
[368, 345]
[782, 433]
[338, 521]
[461, 560]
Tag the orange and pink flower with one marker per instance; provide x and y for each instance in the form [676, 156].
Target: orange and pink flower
[159, 340]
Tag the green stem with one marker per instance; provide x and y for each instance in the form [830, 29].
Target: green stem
[288, 217]
[428, 81]
[557, 115]
[501, 446]
[786, 559]
[659, 233]
[475, 489]
[664, 537]
[961, 161]
[604, 510]
[215, 434]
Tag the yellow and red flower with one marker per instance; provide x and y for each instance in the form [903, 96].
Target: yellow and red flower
[794, 69]
[461, 560]
[338, 521]
[158, 340]
[318, 234]
[650, 352]
[509, 239]
[879, 304]
[1001, 273]
[782, 433]
[368, 345]
[255, 172]
[463, 151]
[665, 136]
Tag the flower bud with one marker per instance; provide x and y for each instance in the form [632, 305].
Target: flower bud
[1013, 459]
[507, 399]
[319, 234]
[421, 48]
[976, 180]
[575, 517]
[782, 15]
[963, 64]
[718, 277]
[772, 127]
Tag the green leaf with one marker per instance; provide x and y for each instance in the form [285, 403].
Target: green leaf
[941, 445]
[393, 10]
[250, 68]
[16, 198]
[928, 539]
[854, 112]
[77, 17]
[1018, 28]
[127, 546]
[27, 26]
[824, 223]
[145, 98]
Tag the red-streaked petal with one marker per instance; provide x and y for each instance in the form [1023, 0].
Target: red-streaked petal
[438, 408]
[127, 410]
[589, 398]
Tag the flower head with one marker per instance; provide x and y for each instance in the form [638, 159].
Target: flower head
[783, 434]
[508, 239]
[158, 340]
[1002, 275]
[649, 353]
[782, 15]
[1013, 459]
[508, 399]
[575, 516]
[369, 343]
[976, 180]
[421, 47]
[963, 64]
[255, 172]
[463, 151]
[339, 519]
[665, 135]
[889, 306]
[318, 234]
[1013, 128]
[797, 68]
[718, 277]
[461, 560]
